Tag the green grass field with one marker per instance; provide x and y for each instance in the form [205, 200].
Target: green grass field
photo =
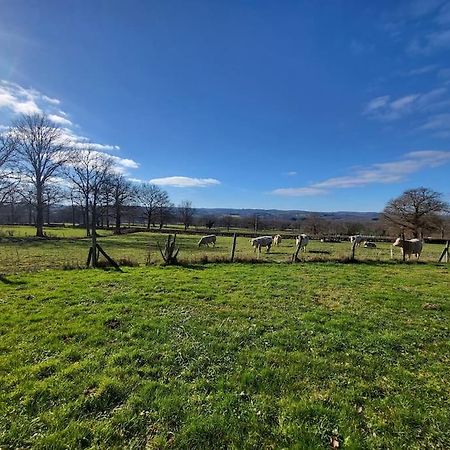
[206, 356]
[70, 249]
[227, 356]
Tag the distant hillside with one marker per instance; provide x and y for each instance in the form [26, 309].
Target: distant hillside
[289, 214]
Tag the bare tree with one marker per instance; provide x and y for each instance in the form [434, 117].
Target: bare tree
[164, 206]
[42, 151]
[88, 172]
[186, 213]
[227, 221]
[417, 210]
[148, 195]
[123, 191]
[314, 224]
[7, 180]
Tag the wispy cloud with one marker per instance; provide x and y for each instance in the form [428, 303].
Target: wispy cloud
[387, 108]
[431, 42]
[185, 182]
[380, 173]
[292, 173]
[422, 70]
[439, 124]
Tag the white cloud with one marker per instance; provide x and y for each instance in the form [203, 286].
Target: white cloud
[183, 182]
[292, 173]
[59, 120]
[125, 162]
[17, 99]
[53, 101]
[380, 173]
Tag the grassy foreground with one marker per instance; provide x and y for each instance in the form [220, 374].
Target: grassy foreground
[227, 356]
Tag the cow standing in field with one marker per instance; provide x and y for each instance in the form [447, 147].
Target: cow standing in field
[206, 240]
[357, 239]
[409, 247]
[305, 241]
[277, 240]
[262, 241]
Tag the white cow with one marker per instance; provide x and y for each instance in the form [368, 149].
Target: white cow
[277, 240]
[409, 247]
[358, 239]
[262, 241]
[206, 240]
[305, 241]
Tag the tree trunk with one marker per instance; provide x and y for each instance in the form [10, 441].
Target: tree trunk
[94, 234]
[118, 220]
[86, 216]
[73, 215]
[39, 212]
[149, 217]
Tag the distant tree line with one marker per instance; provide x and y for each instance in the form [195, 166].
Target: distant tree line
[45, 179]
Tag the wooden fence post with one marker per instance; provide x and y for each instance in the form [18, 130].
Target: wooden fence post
[233, 247]
[297, 250]
[353, 250]
[403, 246]
[445, 253]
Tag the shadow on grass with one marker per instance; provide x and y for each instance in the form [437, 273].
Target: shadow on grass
[5, 280]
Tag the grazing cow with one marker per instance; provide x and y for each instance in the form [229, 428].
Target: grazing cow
[262, 241]
[277, 240]
[206, 240]
[357, 239]
[305, 241]
[369, 244]
[409, 247]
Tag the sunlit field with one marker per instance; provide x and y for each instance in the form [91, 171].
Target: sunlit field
[214, 355]
[226, 356]
[71, 250]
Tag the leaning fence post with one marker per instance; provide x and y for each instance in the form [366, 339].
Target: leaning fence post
[233, 247]
[445, 253]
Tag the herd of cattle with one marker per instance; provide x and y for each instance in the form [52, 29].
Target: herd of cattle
[408, 246]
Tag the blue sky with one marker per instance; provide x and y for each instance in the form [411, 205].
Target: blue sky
[334, 105]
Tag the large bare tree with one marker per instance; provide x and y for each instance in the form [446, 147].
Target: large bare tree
[89, 171]
[186, 213]
[123, 192]
[148, 195]
[41, 152]
[417, 210]
[164, 207]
